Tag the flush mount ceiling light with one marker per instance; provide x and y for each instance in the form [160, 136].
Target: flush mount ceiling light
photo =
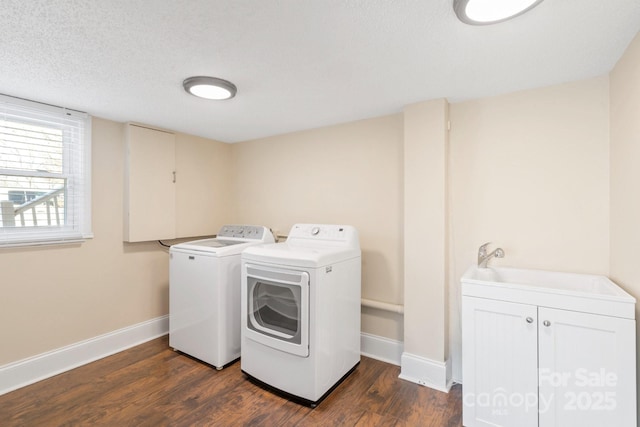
[209, 87]
[484, 12]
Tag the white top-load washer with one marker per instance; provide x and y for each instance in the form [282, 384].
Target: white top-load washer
[204, 293]
[301, 311]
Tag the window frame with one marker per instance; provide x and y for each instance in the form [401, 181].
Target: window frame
[76, 171]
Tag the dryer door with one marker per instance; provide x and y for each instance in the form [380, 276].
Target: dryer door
[277, 308]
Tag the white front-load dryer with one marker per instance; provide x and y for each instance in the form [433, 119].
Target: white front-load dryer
[301, 311]
[204, 293]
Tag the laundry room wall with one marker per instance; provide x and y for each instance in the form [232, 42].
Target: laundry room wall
[529, 171]
[53, 296]
[344, 174]
[625, 176]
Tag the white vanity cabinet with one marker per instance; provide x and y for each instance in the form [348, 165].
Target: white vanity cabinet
[544, 350]
[499, 360]
[588, 365]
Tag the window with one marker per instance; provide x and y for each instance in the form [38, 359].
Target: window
[45, 176]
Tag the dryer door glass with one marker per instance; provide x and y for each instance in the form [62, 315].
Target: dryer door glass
[276, 308]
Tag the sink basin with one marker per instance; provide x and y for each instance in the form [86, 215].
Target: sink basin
[551, 280]
[580, 292]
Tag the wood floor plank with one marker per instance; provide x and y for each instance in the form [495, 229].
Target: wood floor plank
[151, 385]
[382, 390]
[418, 406]
[371, 419]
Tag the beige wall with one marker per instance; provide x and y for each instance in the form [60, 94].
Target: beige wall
[345, 174]
[425, 228]
[58, 295]
[530, 172]
[625, 173]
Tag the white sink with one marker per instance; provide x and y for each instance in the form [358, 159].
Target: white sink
[580, 292]
[552, 280]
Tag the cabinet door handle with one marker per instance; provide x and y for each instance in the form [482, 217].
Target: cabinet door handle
[546, 323]
[174, 177]
[529, 319]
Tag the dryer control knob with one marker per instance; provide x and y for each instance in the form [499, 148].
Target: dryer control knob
[315, 231]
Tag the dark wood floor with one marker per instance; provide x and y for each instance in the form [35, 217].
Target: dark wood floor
[151, 385]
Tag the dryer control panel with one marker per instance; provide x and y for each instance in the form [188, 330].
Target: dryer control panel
[342, 235]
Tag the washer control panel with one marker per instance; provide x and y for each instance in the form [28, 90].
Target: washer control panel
[253, 232]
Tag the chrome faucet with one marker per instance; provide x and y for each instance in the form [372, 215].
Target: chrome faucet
[483, 257]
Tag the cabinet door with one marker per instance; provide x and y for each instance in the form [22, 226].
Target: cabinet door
[150, 195]
[203, 169]
[587, 369]
[499, 363]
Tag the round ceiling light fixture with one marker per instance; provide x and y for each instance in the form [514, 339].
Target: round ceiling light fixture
[210, 87]
[484, 12]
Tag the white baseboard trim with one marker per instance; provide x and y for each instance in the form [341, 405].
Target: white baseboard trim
[426, 372]
[381, 348]
[33, 369]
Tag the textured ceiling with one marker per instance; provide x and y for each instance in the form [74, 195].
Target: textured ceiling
[298, 64]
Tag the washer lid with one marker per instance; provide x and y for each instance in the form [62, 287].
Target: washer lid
[214, 243]
[214, 246]
[231, 240]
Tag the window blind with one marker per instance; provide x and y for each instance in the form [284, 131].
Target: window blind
[45, 176]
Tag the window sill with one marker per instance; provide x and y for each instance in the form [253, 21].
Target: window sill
[75, 241]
